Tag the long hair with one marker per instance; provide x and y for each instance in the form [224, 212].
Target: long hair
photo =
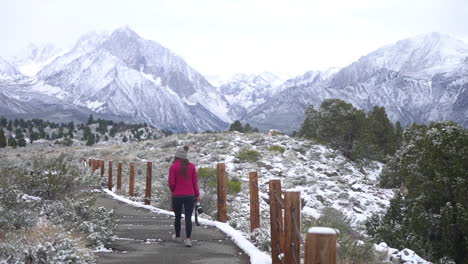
[184, 163]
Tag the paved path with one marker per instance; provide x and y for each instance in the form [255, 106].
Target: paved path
[146, 237]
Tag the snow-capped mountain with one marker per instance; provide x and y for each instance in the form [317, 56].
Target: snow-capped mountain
[8, 71]
[33, 58]
[121, 75]
[245, 92]
[417, 80]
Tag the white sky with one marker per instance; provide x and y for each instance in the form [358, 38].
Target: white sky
[224, 37]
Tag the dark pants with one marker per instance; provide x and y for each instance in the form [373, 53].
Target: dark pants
[188, 203]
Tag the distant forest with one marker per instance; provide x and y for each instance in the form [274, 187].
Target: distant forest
[20, 132]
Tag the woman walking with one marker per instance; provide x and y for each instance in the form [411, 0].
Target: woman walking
[183, 182]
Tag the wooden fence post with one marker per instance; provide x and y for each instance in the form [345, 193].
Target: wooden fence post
[320, 246]
[90, 163]
[276, 221]
[102, 168]
[93, 165]
[254, 203]
[119, 177]
[109, 178]
[131, 183]
[292, 227]
[222, 192]
[149, 171]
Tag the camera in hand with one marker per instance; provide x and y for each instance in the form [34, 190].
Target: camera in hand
[198, 208]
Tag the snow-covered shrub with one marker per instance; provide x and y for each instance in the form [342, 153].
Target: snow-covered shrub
[234, 185]
[15, 212]
[276, 148]
[44, 244]
[351, 246]
[81, 216]
[248, 155]
[48, 213]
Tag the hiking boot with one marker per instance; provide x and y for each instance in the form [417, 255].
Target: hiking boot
[188, 242]
[176, 239]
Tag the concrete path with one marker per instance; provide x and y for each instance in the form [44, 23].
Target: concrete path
[145, 237]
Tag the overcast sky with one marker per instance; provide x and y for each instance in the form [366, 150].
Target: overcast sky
[224, 37]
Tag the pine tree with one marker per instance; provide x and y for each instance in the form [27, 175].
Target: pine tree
[60, 133]
[90, 119]
[311, 122]
[247, 128]
[433, 163]
[3, 142]
[90, 140]
[12, 142]
[87, 133]
[20, 138]
[236, 126]
[124, 139]
[112, 131]
[3, 122]
[10, 126]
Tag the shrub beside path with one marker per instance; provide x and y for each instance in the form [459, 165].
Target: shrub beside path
[146, 237]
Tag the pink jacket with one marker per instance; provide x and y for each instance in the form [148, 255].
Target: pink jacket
[179, 185]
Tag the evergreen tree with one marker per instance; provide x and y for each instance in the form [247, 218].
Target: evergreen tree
[124, 139]
[247, 128]
[340, 124]
[433, 164]
[102, 127]
[15, 123]
[20, 138]
[12, 142]
[311, 122]
[10, 126]
[60, 133]
[87, 133]
[236, 126]
[90, 140]
[3, 141]
[3, 122]
[383, 133]
[90, 119]
[398, 134]
[112, 131]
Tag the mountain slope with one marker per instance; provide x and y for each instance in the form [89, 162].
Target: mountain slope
[417, 80]
[122, 75]
[245, 92]
[8, 71]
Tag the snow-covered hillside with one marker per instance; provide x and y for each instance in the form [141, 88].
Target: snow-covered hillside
[324, 177]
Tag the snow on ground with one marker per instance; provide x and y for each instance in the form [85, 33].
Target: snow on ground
[256, 256]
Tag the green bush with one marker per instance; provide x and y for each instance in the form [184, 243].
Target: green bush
[234, 185]
[277, 148]
[207, 177]
[352, 248]
[248, 155]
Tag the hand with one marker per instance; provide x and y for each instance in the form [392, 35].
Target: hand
[198, 199]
